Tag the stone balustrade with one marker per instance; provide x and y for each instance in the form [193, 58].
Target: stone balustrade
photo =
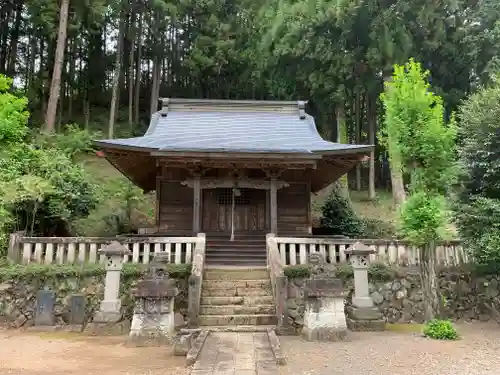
[69, 250]
[295, 250]
[278, 283]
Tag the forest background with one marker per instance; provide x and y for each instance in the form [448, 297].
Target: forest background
[100, 66]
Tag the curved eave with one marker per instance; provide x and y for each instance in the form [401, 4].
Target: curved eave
[138, 166]
[334, 165]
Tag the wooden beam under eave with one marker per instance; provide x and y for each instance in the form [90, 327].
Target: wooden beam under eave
[240, 164]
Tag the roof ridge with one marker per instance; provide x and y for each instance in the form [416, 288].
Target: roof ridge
[218, 105]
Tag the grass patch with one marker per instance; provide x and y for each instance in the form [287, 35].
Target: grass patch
[404, 327]
[43, 271]
[376, 271]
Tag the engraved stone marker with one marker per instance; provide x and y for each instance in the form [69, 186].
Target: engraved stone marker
[44, 314]
[77, 309]
[154, 317]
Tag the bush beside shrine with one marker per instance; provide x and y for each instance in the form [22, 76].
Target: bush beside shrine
[19, 285]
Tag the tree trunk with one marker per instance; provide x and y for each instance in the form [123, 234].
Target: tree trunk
[357, 135]
[431, 297]
[398, 188]
[155, 87]
[342, 138]
[138, 71]
[371, 112]
[70, 81]
[116, 81]
[55, 87]
[131, 71]
[14, 40]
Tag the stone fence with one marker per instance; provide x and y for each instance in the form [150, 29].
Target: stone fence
[294, 250]
[68, 250]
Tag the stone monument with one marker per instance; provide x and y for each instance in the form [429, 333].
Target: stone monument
[324, 317]
[362, 315]
[153, 322]
[109, 315]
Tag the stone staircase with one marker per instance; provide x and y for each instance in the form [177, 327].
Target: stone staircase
[237, 296]
[246, 250]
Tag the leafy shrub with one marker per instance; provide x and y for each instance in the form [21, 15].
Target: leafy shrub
[121, 208]
[297, 272]
[374, 228]
[72, 141]
[440, 330]
[41, 190]
[13, 114]
[44, 271]
[477, 209]
[339, 218]
[344, 271]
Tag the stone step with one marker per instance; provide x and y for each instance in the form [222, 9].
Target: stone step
[236, 274]
[235, 328]
[240, 300]
[232, 253]
[230, 320]
[237, 310]
[236, 292]
[228, 261]
[231, 284]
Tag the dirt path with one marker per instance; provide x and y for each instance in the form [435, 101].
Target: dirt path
[63, 354]
[392, 353]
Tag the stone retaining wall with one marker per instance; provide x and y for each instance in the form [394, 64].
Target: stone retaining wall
[465, 297]
[18, 297]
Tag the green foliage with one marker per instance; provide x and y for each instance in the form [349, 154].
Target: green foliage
[297, 272]
[417, 137]
[43, 188]
[440, 330]
[424, 218]
[415, 131]
[13, 114]
[344, 271]
[339, 217]
[46, 271]
[477, 209]
[121, 208]
[375, 228]
[72, 141]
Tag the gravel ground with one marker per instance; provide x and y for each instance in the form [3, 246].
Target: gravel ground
[383, 353]
[63, 354]
[391, 353]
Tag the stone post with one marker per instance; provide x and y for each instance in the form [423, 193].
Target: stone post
[362, 315]
[109, 313]
[153, 322]
[324, 317]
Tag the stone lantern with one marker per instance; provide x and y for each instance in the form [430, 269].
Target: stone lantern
[110, 308]
[362, 315]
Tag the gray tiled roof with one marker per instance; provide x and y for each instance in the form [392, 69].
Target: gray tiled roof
[218, 130]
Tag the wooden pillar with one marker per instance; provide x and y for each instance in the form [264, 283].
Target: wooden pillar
[274, 206]
[196, 204]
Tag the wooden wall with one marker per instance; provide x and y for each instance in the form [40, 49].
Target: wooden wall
[294, 209]
[175, 208]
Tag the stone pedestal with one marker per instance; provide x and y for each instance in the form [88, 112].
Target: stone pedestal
[324, 317]
[362, 315]
[108, 319]
[153, 322]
